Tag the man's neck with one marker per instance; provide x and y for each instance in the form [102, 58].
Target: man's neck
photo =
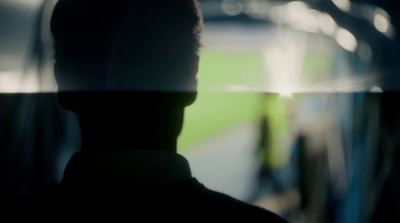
[117, 134]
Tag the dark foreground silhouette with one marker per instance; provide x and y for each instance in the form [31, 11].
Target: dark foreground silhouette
[123, 67]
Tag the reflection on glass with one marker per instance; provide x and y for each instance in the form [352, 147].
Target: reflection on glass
[343, 4]
[346, 40]
[232, 7]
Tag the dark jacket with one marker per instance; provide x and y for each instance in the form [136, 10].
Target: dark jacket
[111, 192]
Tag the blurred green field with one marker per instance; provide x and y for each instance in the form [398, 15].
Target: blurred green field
[214, 111]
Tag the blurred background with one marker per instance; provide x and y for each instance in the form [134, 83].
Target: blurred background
[297, 110]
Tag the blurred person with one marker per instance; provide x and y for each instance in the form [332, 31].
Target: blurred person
[268, 183]
[123, 67]
[312, 180]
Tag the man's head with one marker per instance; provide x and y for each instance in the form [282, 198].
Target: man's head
[125, 45]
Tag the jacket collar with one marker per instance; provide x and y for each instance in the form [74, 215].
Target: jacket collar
[126, 167]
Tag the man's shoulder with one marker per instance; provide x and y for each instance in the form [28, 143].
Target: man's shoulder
[189, 197]
[232, 207]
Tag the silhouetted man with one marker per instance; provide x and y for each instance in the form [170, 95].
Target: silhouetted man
[123, 67]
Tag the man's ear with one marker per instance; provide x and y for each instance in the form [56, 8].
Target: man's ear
[60, 74]
[191, 96]
[66, 77]
[196, 66]
[57, 71]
